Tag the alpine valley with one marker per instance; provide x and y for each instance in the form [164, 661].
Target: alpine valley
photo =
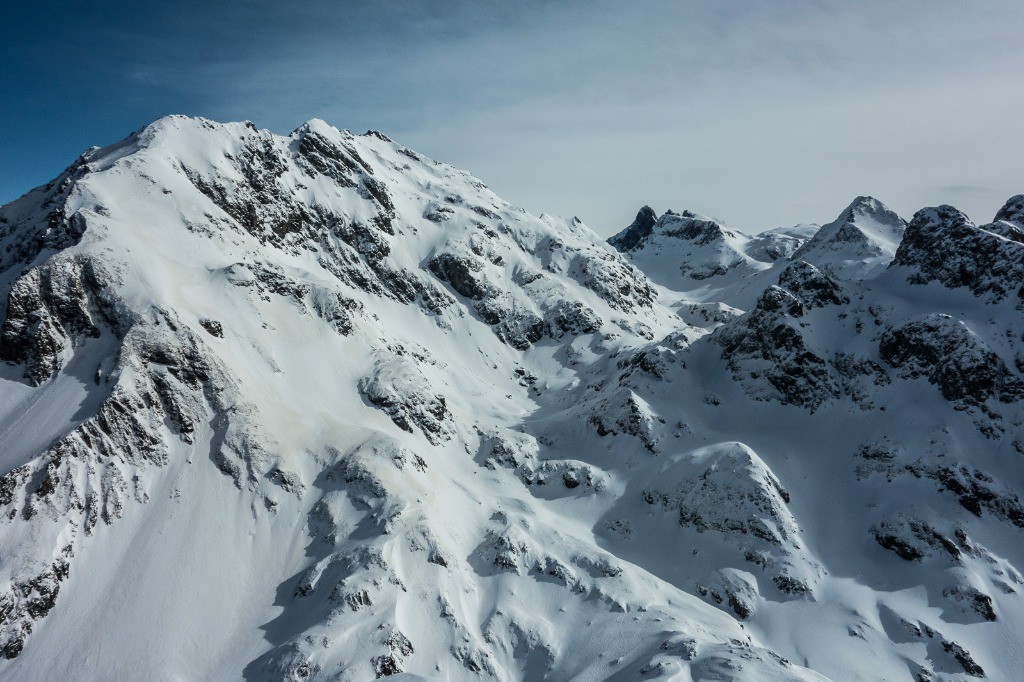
[316, 407]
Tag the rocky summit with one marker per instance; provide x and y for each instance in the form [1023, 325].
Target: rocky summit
[316, 407]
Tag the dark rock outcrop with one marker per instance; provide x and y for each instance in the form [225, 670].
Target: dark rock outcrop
[943, 245]
[767, 351]
[637, 232]
[52, 308]
[949, 355]
[814, 288]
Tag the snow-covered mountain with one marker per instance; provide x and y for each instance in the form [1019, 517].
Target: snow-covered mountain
[683, 250]
[859, 243]
[318, 407]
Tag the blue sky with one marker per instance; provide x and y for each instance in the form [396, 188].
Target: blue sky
[761, 114]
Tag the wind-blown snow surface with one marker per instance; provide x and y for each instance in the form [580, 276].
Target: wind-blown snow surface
[317, 407]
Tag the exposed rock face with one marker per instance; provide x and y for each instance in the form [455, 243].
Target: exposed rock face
[28, 602]
[974, 489]
[637, 232]
[1012, 211]
[767, 351]
[400, 390]
[689, 226]
[814, 288]
[52, 308]
[912, 539]
[460, 272]
[963, 657]
[625, 412]
[618, 283]
[164, 388]
[943, 245]
[729, 491]
[953, 358]
[520, 316]
[45, 224]
[701, 232]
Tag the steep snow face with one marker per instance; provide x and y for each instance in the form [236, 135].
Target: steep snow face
[859, 243]
[318, 407]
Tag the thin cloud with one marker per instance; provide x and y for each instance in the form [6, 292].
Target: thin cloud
[763, 114]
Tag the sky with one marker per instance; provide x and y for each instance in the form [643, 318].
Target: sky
[761, 114]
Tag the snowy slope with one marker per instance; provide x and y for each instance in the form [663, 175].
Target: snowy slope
[780, 243]
[880, 379]
[318, 407]
[682, 251]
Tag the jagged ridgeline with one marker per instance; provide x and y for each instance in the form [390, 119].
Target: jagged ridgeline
[317, 407]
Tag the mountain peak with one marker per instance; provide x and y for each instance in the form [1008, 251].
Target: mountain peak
[183, 122]
[870, 207]
[637, 231]
[779, 243]
[1012, 210]
[866, 204]
[646, 214]
[861, 241]
[317, 125]
[943, 245]
[943, 215]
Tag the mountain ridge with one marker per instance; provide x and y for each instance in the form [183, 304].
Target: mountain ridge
[365, 417]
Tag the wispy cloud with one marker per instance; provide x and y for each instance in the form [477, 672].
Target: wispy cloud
[763, 113]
